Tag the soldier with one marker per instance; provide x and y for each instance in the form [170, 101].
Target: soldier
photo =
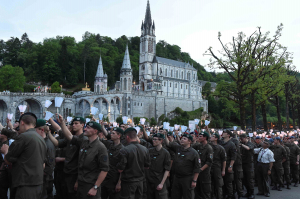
[231, 156]
[159, 169]
[133, 159]
[42, 129]
[27, 154]
[205, 151]
[237, 170]
[264, 167]
[257, 144]
[294, 160]
[286, 166]
[248, 168]
[72, 154]
[218, 166]
[111, 186]
[186, 168]
[277, 169]
[92, 161]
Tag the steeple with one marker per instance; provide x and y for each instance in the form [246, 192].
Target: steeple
[126, 61]
[148, 20]
[142, 25]
[100, 69]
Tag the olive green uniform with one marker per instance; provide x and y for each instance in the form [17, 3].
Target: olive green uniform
[133, 159]
[286, 166]
[109, 184]
[277, 169]
[186, 163]
[92, 160]
[248, 168]
[238, 170]
[49, 168]
[27, 155]
[71, 164]
[203, 187]
[231, 151]
[294, 151]
[4, 175]
[219, 156]
[160, 162]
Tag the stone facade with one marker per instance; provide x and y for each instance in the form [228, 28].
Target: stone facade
[163, 85]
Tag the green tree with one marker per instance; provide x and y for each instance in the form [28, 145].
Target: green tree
[119, 120]
[206, 90]
[152, 122]
[11, 78]
[55, 87]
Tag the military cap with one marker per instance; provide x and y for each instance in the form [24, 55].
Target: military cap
[271, 140]
[170, 133]
[204, 134]
[192, 133]
[119, 130]
[257, 137]
[40, 123]
[188, 136]
[243, 135]
[217, 135]
[129, 129]
[159, 135]
[94, 125]
[80, 119]
[142, 129]
[277, 138]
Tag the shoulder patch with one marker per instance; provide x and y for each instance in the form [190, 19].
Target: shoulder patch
[104, 158]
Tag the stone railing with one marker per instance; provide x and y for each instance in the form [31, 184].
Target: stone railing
[35, 94]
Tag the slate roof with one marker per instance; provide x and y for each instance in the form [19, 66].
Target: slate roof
[171, 62]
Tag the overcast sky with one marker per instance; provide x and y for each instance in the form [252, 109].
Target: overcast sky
[191, 24]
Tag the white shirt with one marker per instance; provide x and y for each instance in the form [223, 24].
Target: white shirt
[264, 155]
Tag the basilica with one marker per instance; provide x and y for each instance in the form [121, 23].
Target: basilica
[164, 84]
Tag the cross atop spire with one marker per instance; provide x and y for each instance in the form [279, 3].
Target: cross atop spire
[148, 20]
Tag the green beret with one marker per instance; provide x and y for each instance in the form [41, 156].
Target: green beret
[129, 129]
[204, 134]
[188, 136]
[94, 125]
[119, 130]
[141, 128]
[40, 123]
[170, 133]
[217, 135]
[80, 119]
[159, 135]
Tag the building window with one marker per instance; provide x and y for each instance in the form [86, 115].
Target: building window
[164, 83]
[166, 72]
[175, 85]
[181, 75]
[181, 86]
[141, 104]
[170, 84]
[194, 76]
[171, 73]
[186, 87]
[177, 74]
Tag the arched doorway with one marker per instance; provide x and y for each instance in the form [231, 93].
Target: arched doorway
[84, 108]
[3, 112]
[33, 106]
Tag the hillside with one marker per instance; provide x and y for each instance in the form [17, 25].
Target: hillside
[63, 59]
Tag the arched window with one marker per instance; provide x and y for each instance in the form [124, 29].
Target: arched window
[125, 84]
[143, 67]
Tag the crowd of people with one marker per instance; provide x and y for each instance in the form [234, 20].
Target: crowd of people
[98, 160]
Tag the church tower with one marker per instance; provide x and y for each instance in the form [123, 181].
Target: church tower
[126, 74]
[100, 84]
[147, 47]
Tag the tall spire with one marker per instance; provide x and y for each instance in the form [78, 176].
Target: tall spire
[126, 61]
[100, 69]
[148, 20]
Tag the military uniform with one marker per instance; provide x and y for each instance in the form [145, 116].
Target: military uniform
[27, 154]
[248, 168]
[294, 151]
[4, 175]
[237, 170]
[186, 163]
[133, 159]
[109, 184]
[230, 149]
[59, 181]
[203, 187]
[277, 169]
[71, 164]
[160, 162]
[92, 160]
[286, 166]
[49, 168]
